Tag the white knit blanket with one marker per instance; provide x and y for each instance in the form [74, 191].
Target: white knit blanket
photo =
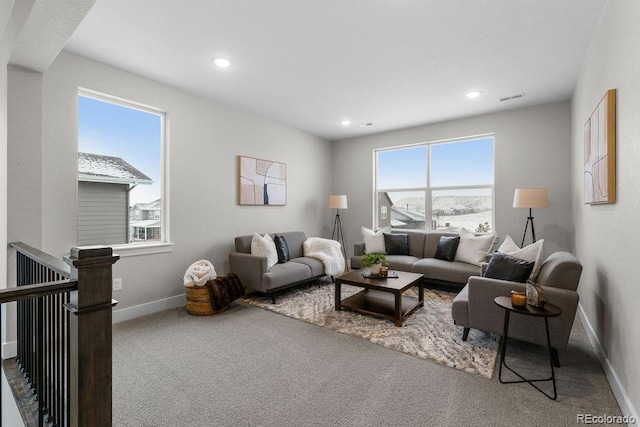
[327, 251]
[199, 273]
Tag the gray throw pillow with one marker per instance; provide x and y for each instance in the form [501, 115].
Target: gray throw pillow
[396, 244]
[507, 267]
[447, 247]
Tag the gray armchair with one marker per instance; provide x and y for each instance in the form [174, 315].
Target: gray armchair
[559, 276]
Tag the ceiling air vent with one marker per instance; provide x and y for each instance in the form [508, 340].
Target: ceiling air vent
[509, 98]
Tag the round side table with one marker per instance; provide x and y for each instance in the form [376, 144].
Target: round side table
[549, 310]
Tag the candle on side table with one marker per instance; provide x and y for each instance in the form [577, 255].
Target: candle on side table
[518, 299]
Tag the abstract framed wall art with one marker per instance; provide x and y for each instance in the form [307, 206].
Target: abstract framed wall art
[600, 152]
[261, 182]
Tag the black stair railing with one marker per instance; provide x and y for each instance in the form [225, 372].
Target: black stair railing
[63, 315]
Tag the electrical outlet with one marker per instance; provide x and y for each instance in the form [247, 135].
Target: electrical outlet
[117, 284]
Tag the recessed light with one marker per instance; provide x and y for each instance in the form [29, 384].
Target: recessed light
[222, 62]
[345, 122]
[473, 94]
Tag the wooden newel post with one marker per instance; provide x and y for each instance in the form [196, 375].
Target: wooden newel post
[90, 357]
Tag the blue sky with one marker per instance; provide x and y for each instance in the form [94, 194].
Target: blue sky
[134, 135]
[452, 164]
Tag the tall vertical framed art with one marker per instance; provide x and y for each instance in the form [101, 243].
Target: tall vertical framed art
[261, 182]
[600, 152]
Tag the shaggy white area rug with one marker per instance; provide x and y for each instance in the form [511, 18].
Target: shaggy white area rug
[428, 333]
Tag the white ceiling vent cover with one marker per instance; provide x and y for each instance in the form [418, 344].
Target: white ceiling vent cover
[509, 98]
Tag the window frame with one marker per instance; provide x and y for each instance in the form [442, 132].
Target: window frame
[164, 244]
[428, 189]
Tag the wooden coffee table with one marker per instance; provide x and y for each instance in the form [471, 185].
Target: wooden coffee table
[381, 297]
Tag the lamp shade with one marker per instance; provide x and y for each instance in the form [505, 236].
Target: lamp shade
[338, 201]
[530, 198]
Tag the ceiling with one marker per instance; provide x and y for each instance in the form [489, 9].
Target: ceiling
[312, 63]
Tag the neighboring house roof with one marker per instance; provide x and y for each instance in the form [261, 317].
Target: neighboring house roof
[400, 217]
[109, 169]
[397, 224]
[151, 206]
[402, 214]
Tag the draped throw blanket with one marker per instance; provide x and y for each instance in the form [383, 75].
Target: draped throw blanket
[224, 290]
[327, 251]
[199, 273]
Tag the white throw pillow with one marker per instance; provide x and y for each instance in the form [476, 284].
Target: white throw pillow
[264, 246]
[473, 249]
[374, 240]
[531, 253]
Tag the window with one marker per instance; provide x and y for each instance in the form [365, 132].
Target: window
[383, 212]
[438, 185]
[120, 172]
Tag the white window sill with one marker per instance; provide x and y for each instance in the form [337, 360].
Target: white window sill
[142, 249]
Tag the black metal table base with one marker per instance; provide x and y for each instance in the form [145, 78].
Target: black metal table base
[503, 349]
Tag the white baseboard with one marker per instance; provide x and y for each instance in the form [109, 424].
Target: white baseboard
[9, 349]
[626, 406]
[148, 308]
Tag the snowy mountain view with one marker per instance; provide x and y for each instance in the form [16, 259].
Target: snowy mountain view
[470, 212]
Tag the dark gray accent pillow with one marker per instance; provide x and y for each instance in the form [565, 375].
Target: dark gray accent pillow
[506, 267]
[396, 244]
[282, 249]
[447, 247]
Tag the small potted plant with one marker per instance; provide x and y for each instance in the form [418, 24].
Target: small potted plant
[374, 261]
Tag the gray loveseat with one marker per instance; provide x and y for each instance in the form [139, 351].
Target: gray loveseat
[252, 269]
[559, 276]
[422, 249]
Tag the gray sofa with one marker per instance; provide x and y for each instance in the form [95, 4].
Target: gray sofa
[422, 249]
[252, 269]
[559, 276]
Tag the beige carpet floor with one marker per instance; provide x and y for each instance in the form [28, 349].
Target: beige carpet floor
[251, 367]
[428, 333]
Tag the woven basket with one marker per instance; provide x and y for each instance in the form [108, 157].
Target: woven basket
[199, 302]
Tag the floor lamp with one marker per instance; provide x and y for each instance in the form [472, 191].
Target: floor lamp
[338, 202]
[530, 198]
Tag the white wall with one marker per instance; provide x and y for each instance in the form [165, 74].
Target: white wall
[205, 140]
[6, 47]
[607, 235]
[532, 149]
[10, 412]
[24, 154]
[5, 52]
[11, 22]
